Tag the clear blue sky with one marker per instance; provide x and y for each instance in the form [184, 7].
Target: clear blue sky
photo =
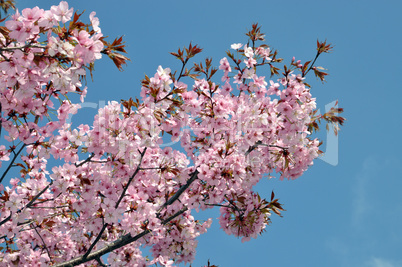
[344, 215]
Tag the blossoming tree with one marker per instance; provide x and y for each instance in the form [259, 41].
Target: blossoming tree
[117, 186]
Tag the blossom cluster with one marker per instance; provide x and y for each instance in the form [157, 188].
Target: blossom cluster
[41, 61]
[121, 187]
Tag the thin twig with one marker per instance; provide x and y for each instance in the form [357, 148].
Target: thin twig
[259, 143]
[218, 205]
[28, 205]
[85, 161]
[194, 176]
[1, 121]
[57, 207]
[312, 64]
[47, 250]
[12, 162]
[96, 241]
[131, 179]
[182, 68]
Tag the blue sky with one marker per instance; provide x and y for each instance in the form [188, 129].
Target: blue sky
[343, 215]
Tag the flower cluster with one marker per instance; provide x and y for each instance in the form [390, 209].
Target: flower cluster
[121, 187]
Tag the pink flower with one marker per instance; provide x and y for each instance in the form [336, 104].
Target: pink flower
[18, 30]
[224, 65]
[83, 38]
[248, 74]
[250, 62]
[95, 22]
[217, 125]
[83, 94]
[248, 51]
[163, 73]
[61, 12]
[260, 81]
[33, 14]
[4, 154]
[226, 88]
[273, 88]
[236, 46]
[47, 20]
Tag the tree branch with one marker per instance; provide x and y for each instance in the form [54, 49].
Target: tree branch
[312, 64]
[12, 162]
[85, 161]
[117, 204]
[122, 241]
[96, 241]
[259, 143]
[29, 204]
[44, 244]
[194, 176]
[1, 121]
[21, 47]
[131, 179]
[99, 260]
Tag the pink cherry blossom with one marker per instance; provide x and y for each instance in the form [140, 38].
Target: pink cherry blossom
[236, 46]
[94, 22]
[120, 182]
[61, 12]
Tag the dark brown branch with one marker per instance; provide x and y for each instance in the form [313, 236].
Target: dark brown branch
[182, 68]
[131, 179]
[1, 121]
[28, 205]
[312, 64]
[12, 162]
[194, 176]
[259, 143]
[117, 204]
[121, 242]
[38, 195]
[165, 221]
[85, 161]
[218, 205]
[96, 241]
[21, 47]
[99, 260]
[44, 244]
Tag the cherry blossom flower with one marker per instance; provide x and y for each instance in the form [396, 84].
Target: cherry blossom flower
[61, 12]
[236, 46]
[94, 22]
[118, 178]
